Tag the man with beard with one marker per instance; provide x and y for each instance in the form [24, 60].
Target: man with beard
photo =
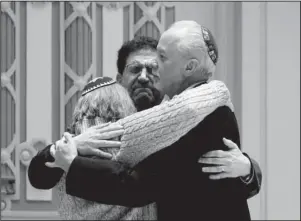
[137, 71]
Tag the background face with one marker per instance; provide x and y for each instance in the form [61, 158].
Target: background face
[141, 78]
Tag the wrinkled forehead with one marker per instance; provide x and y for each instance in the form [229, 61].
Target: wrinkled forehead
[143, 57]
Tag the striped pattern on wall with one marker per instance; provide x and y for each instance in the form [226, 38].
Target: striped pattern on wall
[81, 52]
[147, 19]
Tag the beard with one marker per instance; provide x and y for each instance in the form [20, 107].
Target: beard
[146, 97]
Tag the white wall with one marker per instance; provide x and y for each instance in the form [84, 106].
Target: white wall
[283, 113]
[252, 94]
[271, 104]
[201, 12]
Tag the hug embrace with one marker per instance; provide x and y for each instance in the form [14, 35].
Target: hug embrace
[159, 142]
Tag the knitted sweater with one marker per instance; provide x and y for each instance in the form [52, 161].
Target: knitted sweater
[151, 130]
[74, 208]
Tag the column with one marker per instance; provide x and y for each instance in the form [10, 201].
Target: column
[112, 37]
[38, 85]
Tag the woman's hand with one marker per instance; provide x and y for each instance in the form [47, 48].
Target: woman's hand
[96, 137]
[63, 152]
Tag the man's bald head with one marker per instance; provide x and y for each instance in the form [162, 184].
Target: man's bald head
[184, 55]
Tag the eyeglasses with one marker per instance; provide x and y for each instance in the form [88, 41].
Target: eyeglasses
[137, 67]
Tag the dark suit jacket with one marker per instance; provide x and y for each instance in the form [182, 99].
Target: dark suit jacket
[170, 177]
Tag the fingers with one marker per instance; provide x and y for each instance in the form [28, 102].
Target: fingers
[63, 139]
[98, 144]
[216, 153]
[215, 169]
[219, 176]
[100, 126]
[106, 143]
[110, 135]
[100, 153]
[215, 161]
[110, 127]
[67, 137]
[52, 150]
[230, 143]
[59, 143]
[51, 164]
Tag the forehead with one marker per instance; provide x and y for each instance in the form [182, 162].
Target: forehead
[142, 56]
[167, 42]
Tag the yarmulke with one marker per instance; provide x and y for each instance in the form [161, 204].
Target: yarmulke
[97, 83]
[210, 43]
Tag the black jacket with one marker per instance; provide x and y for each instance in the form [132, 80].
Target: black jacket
[170, 177]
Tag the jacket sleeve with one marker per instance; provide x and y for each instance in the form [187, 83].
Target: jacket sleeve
[40, 176]
[108, 182]
[253, 185]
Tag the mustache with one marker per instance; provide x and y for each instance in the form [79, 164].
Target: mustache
[148, 86]
[152, 91]
[142, 89]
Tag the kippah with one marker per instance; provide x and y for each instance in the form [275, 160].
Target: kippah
[97, 83]
[210, 43]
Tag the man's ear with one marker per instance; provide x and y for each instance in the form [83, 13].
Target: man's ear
[119, 78]
[191, 66]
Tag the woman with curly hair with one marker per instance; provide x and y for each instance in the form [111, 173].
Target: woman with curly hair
[103, 100]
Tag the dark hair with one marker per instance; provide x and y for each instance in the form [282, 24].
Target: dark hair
[138, 43]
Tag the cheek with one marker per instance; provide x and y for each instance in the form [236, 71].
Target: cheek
[127, 81]
[157, 81]
[168, 71]
[163, 69]
[157, 84]
[165, 81]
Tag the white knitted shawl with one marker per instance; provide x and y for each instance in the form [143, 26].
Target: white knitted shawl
[151, 130]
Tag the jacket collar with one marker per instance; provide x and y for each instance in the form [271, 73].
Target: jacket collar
[166, 98]
[196, 85]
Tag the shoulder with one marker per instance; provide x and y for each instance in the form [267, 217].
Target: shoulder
[221, 112]
[219, 115]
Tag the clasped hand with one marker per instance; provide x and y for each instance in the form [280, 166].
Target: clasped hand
[65, 150]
